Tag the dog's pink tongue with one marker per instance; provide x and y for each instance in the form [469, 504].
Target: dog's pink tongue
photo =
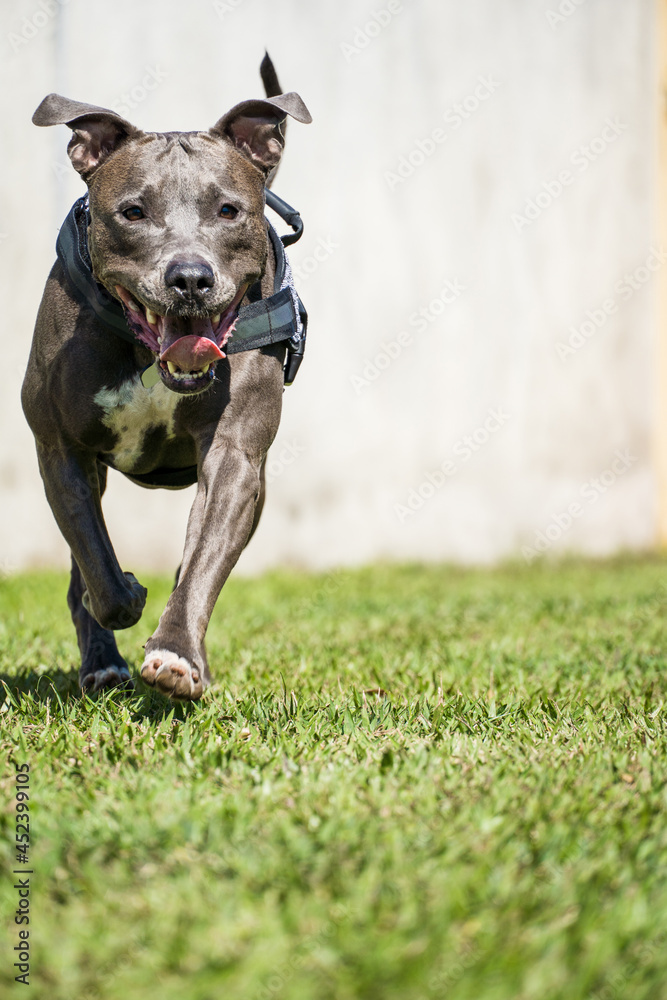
[192, 353]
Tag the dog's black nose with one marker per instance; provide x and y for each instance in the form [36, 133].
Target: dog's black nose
[190, 278]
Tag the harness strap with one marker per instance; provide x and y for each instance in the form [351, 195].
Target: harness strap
[72, 250]
[287, 214]
[280, 318]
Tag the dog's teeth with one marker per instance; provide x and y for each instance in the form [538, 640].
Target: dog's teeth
[151, 317]
[180, 376]
[132, 306]
[159, 340]
[215, 319]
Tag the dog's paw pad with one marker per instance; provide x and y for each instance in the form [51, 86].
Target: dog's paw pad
[172, 675]
[105, 678]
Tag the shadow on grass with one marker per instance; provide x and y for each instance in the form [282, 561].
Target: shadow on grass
[59, 689]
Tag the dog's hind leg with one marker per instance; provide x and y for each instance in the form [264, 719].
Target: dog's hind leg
[102, 666]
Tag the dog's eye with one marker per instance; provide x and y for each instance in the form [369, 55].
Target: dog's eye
[133, 213]
[228, 211]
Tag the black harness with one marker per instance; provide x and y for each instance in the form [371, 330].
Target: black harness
[280, 318]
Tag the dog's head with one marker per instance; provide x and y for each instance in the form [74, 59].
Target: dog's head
[177, 228]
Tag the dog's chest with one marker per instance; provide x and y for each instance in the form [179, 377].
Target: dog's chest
[132, 412]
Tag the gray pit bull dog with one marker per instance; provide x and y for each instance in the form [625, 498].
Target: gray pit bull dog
[177, 238]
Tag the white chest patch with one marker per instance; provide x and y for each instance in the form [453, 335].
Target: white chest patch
[131, 411]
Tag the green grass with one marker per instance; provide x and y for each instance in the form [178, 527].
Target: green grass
[490, 826]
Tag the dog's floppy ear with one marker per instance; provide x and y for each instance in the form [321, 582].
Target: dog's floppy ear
[254, 127]
[97, 132]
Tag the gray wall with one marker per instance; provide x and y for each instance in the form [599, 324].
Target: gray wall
[432, 132]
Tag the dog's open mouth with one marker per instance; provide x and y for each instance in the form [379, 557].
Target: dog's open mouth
[186, 348]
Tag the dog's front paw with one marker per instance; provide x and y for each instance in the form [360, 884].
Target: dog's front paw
[105, 678]
[125, 611]
[172, 675]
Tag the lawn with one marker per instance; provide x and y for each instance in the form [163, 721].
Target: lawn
[407, 783]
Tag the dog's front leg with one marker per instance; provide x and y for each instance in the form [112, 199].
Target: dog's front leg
[219, 526]
[71, 481]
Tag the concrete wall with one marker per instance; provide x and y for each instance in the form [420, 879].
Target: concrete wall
[435, 127]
